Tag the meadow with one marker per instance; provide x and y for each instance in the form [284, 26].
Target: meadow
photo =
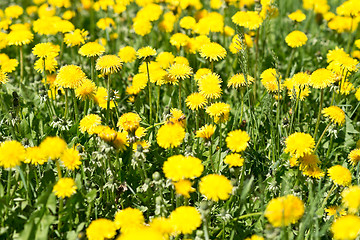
[179, 119]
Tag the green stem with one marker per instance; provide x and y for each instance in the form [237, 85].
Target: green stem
[75, 106]
[220, 145]
[157, 104]
[21, 65]
[327, 197]
[290, 63]
[149, 90]
[322, 135]
[210, 157]
[248, 215]
[319, 113]
[108, 101]
[66, 103]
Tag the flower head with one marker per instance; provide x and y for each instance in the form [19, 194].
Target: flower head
[129, 122]
[86, 90]
[248, 19]
[296, 39]
[145, 53]
[346, 227]
[19, 37]
[71, 158]
[212, 52]
[196, 101]
[234, 160]
[127, 54]
[206, 132]
[129, 219]
[340, 175]
[219, 111]
[354, 156]
[297, 16]
[12, 153]
[170, 135]
[69, 76]
[46, 50]
[65, 187]
[270, 80]
[283, 211]
[179, 71]
[89, 123]
[210, 86]
[239, 80]
[108, 64]
[35, 155]
[298, 144]
[237, 140]
[322, 78]
[179, 167]
[351, 198]
[335, 114]
[91, 49]
[53, 147]
[75, 38]
[101, 229]
[215, 187]
[183, 187]
[185, 219]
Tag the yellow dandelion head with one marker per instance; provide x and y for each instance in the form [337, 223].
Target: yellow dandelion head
[165, 59]
[12, 153]
[129, 122]
[179, 167]
[185, 219]
[14, 11]
[89, 123]
[248, 19]
[340, 175]
[219, 111]
[283, 211]
[354, 156]
[69, 76]
[179, 71]
[351, 198]
[237, 140]
[91, 49]
[335, 114]
[212, 52]
[322, 78]
[215, 187]
[297, 16]
[19, 37]
[346, 227]
[239, 80]
[46, 50]
[183, 187]
[201, 72]
[65, 187]
[108, 64]
[75, 38]
[270, 78]
[53, 147]
[35, 156]
[196, 101]
[142, 27]
[296, 39]
[129, 219]
[299, 144]
[187, 22]
[127, 54]
[210, 86]
[71, 158]
[234, 160]
[86, 90]
[101, 229]
[145, 53]
[170, 135]
[179, 40]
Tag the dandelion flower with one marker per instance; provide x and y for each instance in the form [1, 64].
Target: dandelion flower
[127, 54]
[170, 135]
[142, 233]
[183, 187]
[351, 198]
[179, 40]
[177, 116]
[187, 22]
[298, 144]
[335, 114]
[101, 96]
[53, 147]
[75, 38]
[91, 49]
[270, 80]
[357, 94]
[313, 171]
[35, 156]
[9, 65]
[108, 64]
[212, 52]
[14, 11]
[89, 123]
[86, 90]
[219, 111]
[234, 160]
[145, 53]
[346, 227]
[69, 76]
[129, 122]
[346, 88]
[179, 167]
[12, 153]
[283, 211]
[215, 187]
[165, 59]
[296, 39]
[185, 219]
[65, 187]
[142, 27]
[354, 156]
[210, 86]
[128, 219]
[19, 37]
[101, 229]
[3, 77]
[297, 16]
[121, 141]
[71, 158]
[322, 78]
[340, 175]
[50, 64]
[239, 80]
[206, 132]
[196, 101]
[248, 19]
[46, 50]
[179, 71]
[237, 140]
[308, 161]
[201, 72]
